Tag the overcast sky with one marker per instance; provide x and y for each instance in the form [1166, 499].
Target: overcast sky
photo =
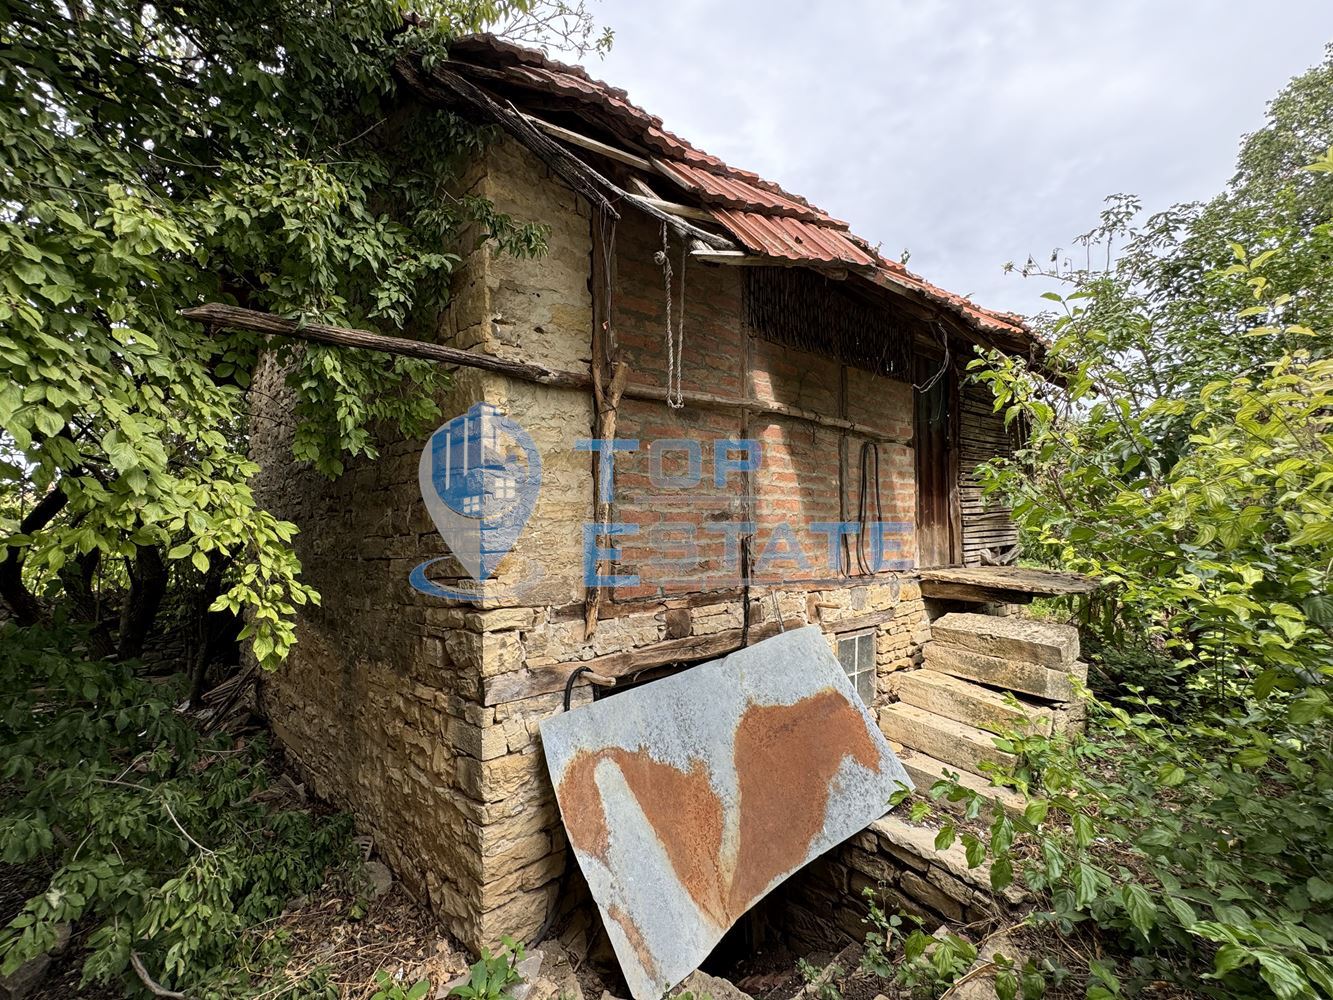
[970, 132]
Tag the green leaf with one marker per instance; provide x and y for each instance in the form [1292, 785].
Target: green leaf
[1181, 910]
[1085, 884]
[1251, 758]
[1084, 829]
[975, 848]
[1319, 889]
[1283, 976]
[1230, 957]
[1170, 775]
[1140, 907]
[1308, 709]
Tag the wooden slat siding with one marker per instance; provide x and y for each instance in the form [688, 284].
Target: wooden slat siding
[931, 440]
[982, 436]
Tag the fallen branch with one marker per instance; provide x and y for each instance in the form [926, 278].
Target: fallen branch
[243, 681]
[153, 987]
[172, 816]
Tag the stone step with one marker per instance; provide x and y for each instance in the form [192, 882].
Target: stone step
[925, 770]
[955, 743]
[1005, 674]
[969, 702]
[917, 840]
[1011, 638]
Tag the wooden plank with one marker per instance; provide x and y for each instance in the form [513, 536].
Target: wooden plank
[235, 317]
[530, 682]
[740, 258]
[593, 145]
[836, 625]
[676, 208]
[1041, 582]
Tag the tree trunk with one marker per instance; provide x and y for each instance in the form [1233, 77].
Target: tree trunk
[77, 579]
[203, 625]
[148, 585]
[27, 609]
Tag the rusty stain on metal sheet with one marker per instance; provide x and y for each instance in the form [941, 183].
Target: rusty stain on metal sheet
[689, 799]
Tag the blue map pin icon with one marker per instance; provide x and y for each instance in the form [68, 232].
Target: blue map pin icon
[479, 476]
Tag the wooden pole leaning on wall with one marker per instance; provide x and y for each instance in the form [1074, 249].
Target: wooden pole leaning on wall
[238, 318]
[221, 316]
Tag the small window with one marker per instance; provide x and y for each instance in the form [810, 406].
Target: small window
[856, 653]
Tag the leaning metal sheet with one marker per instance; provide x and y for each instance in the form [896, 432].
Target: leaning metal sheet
[688, 799]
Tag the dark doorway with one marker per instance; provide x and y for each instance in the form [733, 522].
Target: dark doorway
[936, 484]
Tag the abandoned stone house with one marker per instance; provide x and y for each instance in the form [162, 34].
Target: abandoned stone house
[776, 375]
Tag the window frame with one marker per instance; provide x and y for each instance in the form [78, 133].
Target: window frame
[870, 668]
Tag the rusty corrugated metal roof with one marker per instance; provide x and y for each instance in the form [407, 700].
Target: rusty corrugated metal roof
[793, 239]
[761, 215]
[734, 192]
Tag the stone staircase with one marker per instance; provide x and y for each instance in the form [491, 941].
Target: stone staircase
[983, 675]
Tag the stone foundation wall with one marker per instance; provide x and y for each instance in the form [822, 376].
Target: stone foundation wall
[422, 718]
[380, 704]
[896, 861]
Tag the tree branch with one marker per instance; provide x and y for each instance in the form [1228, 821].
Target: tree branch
[27, 609]
[153, 987]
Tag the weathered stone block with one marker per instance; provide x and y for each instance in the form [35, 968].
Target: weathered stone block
[1013, 638]
[917, 840]
[872, 865]
[1008, 675]
[952, 742]
[971, 703]
[931, 895]
[520, 916]
[484, 743]
[925, 770]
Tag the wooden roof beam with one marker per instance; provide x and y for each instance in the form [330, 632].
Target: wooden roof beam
[592, 145]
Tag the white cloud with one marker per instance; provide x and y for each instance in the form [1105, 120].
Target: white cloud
[972, 133]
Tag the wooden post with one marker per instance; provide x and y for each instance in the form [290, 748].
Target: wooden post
[610, 374]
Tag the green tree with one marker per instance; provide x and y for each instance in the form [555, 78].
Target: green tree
[159, 156]
[1185, 456]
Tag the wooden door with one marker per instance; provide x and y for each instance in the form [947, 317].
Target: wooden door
[936, 486]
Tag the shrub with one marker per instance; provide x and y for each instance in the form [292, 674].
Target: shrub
[157, 837]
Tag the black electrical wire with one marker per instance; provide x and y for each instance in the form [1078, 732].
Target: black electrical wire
[869, 474]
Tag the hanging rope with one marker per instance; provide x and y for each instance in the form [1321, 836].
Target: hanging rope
[675, 341]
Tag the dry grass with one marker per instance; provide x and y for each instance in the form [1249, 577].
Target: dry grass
[325, 936]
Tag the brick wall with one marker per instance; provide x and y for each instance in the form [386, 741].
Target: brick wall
[681, 542]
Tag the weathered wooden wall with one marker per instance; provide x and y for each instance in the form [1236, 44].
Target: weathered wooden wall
[987, 524]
